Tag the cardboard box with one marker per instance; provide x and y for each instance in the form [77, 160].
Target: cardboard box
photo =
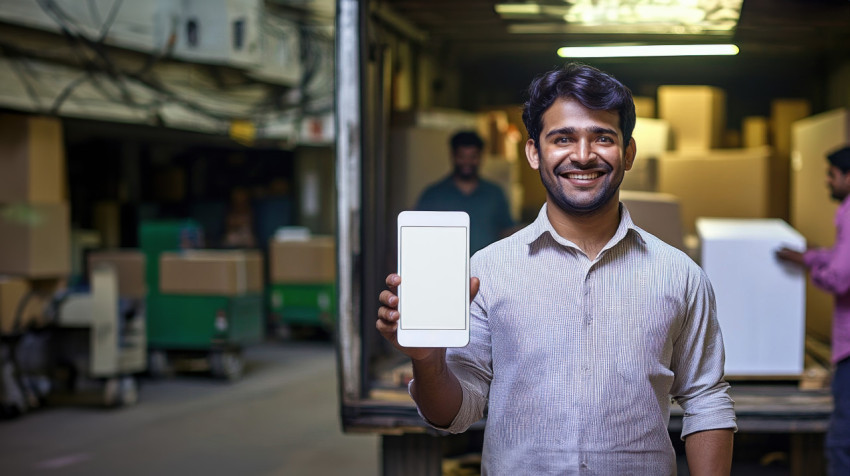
[129, 267]
[754, 130]
[644, 106]
[654, 139]
[657, 213]
[730, 183]
[307, 262]
[211, 272]
[760, 300]
[697, 115]
[35, 240]
[16, 292]
[32, 159]
[812, 210]
[784, 113]
[12, 293]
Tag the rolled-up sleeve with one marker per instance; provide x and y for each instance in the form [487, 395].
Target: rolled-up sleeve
[472, 365]
[830, 270]
[698, 360]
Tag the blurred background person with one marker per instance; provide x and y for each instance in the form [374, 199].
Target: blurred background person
[830, 271]
[465, 190]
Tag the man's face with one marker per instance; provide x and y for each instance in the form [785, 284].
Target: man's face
[838, 182]
[466, 160]
[581, 158]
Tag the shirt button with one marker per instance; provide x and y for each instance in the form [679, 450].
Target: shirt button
[589, 321]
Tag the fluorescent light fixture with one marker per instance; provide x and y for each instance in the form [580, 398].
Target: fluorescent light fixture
[518, 9]
[632, 51]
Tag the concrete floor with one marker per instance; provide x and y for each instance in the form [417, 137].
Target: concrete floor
[280, 419]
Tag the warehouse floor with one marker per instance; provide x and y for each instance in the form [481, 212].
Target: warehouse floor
[281, 419]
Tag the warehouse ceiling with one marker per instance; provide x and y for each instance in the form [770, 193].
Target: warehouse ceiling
[475, 29]
[786, 46]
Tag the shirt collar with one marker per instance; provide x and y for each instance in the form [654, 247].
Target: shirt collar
[541, 226]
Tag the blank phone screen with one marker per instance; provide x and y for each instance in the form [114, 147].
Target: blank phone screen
[433, 266]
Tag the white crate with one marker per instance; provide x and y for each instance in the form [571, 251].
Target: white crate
[760, 300]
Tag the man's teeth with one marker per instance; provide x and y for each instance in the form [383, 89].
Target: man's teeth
[584, 176]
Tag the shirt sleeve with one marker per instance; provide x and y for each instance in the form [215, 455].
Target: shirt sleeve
[832, 274]
[473, 367]
[816, 257]
[698, 362]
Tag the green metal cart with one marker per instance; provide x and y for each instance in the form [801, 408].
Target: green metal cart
[217, 328]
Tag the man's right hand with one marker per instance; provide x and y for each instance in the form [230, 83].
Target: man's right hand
[388, 316]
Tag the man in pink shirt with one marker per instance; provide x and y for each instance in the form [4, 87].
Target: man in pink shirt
[830, 271]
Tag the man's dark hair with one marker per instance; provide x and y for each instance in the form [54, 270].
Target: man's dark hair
[591, 87]
[841, 159]
[466, 138]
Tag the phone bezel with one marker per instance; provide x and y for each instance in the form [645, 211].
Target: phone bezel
[433, 337]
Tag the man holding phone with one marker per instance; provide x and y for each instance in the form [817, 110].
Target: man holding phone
[582, 325]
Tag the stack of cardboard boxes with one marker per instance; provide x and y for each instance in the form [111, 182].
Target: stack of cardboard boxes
[34, 218]
[711, 181]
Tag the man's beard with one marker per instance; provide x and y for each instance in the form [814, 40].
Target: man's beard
[466, 174]
[574, 207]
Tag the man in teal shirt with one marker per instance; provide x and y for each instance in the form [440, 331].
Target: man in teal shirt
[464, 190]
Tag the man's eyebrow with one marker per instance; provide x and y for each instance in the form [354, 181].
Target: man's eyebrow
[561, 132]
[572, 130]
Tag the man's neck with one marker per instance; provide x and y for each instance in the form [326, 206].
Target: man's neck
[589, 232]
[466, 186]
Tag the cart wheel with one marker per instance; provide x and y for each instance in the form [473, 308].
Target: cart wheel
[227, 365]
[159, 365]
[120, 392]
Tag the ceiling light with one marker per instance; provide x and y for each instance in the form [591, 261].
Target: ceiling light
[645, 50]
[518, 9]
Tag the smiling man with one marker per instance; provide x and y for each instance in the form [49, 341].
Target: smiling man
[583, 325]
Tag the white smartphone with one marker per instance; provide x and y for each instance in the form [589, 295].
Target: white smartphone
[433, 262]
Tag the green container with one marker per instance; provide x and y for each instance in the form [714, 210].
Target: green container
[304, 304]
[187, 322]
[193, 322]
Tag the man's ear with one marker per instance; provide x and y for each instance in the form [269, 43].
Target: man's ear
[631, 150]
[532, 154]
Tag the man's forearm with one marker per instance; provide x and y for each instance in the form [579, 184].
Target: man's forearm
[436, 390]
[709, 452]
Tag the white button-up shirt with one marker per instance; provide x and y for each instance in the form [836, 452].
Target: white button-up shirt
[576, 360]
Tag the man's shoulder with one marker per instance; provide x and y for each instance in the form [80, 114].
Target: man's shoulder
[664, 253]
[499, 251]
[439, 185]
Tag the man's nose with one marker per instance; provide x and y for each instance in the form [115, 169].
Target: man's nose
[582, 153]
